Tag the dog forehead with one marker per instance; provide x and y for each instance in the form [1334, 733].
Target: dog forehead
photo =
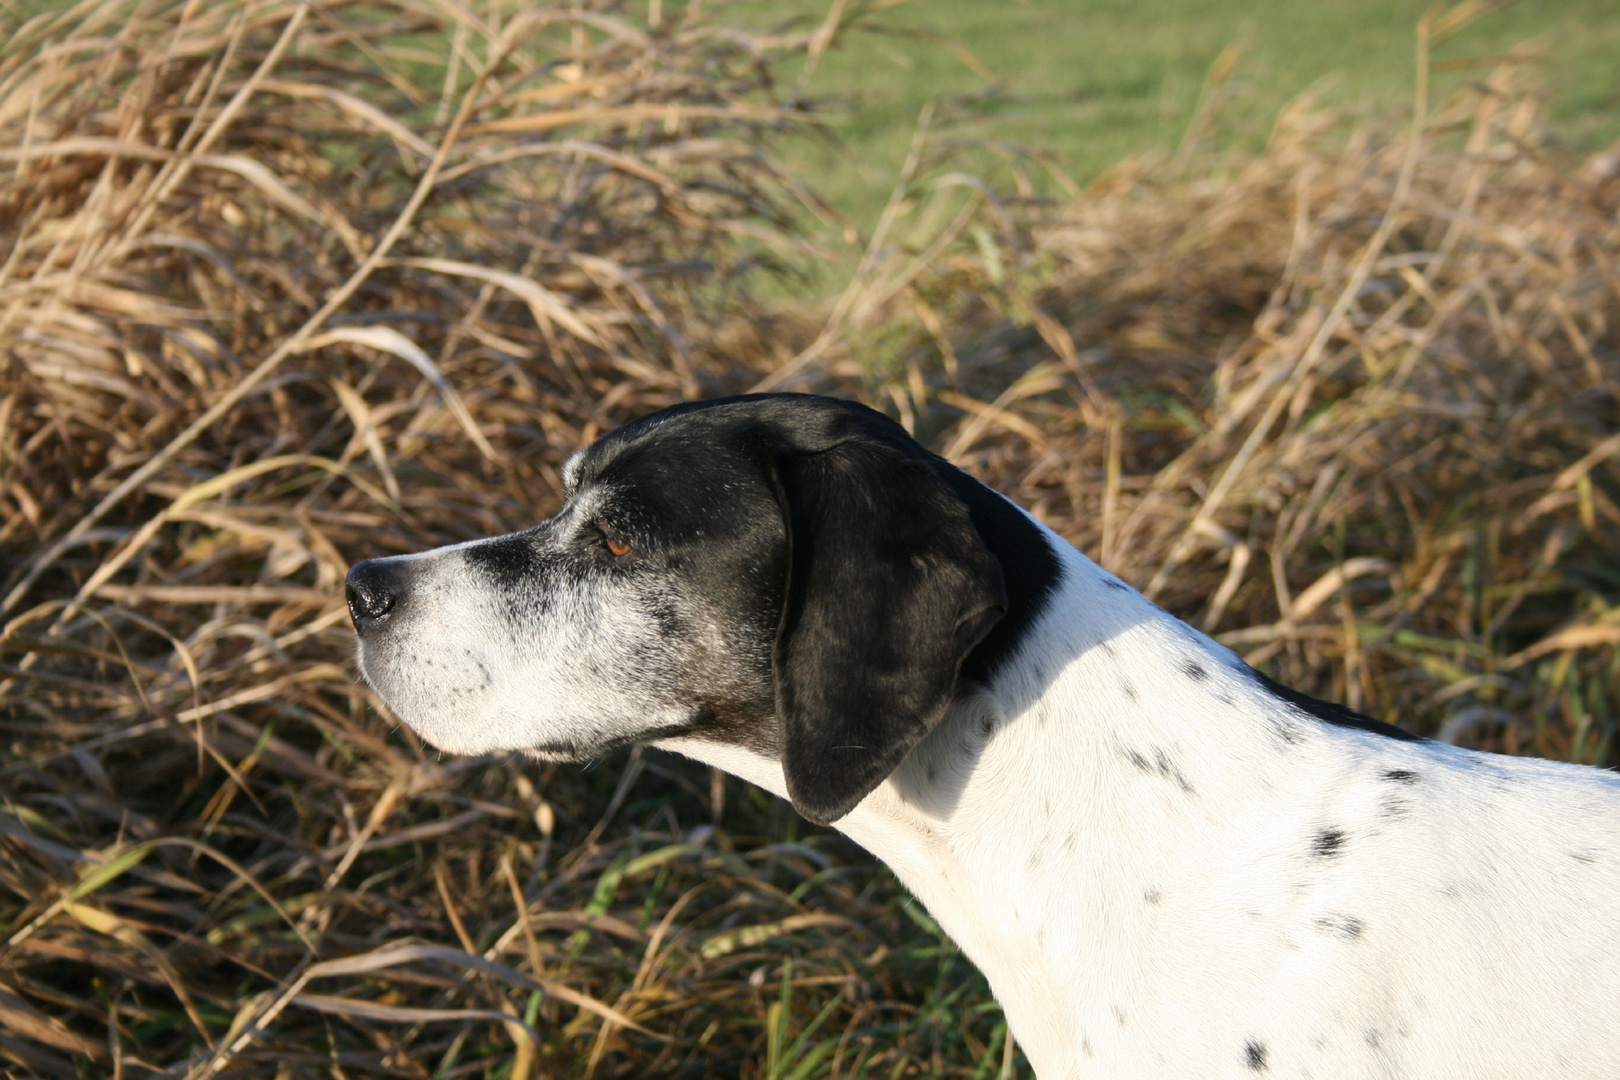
[708, 438]
[676, 463]
[686, 478]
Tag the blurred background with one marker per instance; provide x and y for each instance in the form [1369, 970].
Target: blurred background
[1085, 84]
[1302, 318]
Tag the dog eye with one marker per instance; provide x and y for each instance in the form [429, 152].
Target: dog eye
[616, 547]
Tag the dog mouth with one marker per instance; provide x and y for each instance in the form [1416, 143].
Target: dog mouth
[576, 750]
[575, 755]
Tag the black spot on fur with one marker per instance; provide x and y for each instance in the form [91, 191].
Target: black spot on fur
[1371, 1036]
[1194, 671]
[1583, 857]
[1287, 734]
[1167, 769]
[1154, 897]
[670, 625]
[1336, 925]
[1161, 766]
[1328, 842]
[1129, 690]
[1401, 776]
[1115, 584]
[1330, 713]
[1254, 1056]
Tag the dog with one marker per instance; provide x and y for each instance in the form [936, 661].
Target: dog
[1166, 864]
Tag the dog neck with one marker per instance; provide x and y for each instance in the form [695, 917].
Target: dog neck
[1085, 733]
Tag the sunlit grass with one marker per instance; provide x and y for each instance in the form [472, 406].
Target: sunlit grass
[1088, 82]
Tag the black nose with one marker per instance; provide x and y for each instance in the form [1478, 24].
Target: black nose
[374, 588]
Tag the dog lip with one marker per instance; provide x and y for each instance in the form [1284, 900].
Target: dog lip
[584, 750]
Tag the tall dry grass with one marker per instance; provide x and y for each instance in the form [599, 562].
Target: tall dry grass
[1351, 405]
[284, 285]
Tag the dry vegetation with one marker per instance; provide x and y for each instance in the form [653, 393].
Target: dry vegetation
[283, 286]
[1352, 406]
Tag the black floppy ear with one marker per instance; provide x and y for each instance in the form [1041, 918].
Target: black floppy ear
[890, 586]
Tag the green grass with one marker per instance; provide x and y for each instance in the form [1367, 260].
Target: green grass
[1092, 81]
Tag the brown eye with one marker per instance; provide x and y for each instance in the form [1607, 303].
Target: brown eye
[618, 548]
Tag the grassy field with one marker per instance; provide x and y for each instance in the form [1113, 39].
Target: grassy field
[1089, 82]
[283, 287]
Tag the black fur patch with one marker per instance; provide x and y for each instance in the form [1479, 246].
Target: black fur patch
[1330, 713]
[1254, 1056]
[1328, 842]
[1029, 569]
[1161, 766]
[508, 560]
[1347, 927]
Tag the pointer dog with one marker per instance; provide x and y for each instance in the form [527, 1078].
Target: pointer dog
[1167, 864]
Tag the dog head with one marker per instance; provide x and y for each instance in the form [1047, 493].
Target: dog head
[788, 572]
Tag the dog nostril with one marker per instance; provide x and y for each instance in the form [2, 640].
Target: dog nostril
[369, 594]
[368, 604]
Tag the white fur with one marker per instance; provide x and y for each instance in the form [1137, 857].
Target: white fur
[538, 673]
[1144, 883]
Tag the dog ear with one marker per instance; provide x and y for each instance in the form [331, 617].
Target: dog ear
[889, 587]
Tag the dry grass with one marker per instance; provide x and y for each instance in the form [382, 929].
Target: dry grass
[1353, 405]
[284, 286]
